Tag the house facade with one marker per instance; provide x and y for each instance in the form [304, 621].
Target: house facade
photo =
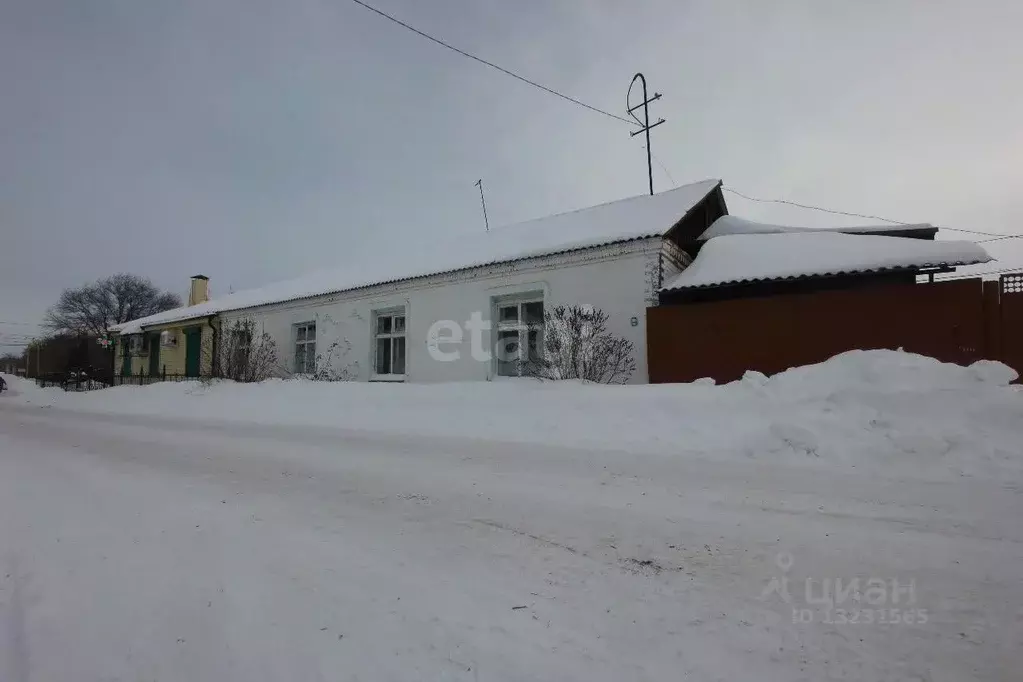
[180, 347]
[466, 325]
[465, 309]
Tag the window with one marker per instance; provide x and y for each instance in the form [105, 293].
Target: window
[305, 348]
[389, 344]
[519, 334]
[241, 341]
[137, 345]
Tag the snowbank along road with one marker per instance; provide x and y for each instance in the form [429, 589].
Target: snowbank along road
[143, 547]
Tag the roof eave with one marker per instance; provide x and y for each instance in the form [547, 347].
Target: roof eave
[824, 275]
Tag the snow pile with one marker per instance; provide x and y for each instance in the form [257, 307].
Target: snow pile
[750, 257]
[617, 221]
[876, 410]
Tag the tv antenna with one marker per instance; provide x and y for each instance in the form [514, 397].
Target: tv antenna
[645, 126]
[479, 183]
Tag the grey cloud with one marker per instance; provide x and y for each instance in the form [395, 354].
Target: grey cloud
[253, 140]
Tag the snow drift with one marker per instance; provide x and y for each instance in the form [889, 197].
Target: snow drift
[879, 410]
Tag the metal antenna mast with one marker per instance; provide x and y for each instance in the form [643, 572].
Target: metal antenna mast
[479, 183]
[645, 123]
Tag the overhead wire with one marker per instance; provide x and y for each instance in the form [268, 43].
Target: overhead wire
[492, 65]
[635, 121]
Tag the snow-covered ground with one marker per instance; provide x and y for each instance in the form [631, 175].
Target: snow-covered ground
[883, 411]
[515, 531]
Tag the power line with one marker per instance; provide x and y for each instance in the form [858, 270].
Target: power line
[491, 64]
[979, 274]
[666, 171]
[27, 324]
[995, 235]
[862, 215]
[814, 208]
[997, 239]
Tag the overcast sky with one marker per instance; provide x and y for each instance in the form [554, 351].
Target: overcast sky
[253, 140]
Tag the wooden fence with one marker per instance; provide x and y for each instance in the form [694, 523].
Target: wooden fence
[958, 321]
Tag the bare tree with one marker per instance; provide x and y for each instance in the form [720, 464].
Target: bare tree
[577, 345]
[92, 309]
[242, 353]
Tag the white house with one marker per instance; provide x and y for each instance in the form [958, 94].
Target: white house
[451, 310]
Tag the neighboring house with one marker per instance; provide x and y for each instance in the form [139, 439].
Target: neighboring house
[768, 298]
[462, 309]
[175, 348]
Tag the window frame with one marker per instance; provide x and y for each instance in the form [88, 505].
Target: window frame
[169, 339]
[391, 335]
[137, 345]
[304, 343]
[520, 324]
[241, 349]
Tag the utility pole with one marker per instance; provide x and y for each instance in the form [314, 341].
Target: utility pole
[645, 123]
[486, 221]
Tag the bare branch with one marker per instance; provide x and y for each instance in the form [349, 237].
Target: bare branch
[577, 345]
[330, 366]
[242, 354]
[93, 308]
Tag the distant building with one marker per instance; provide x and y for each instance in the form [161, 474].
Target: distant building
[173, 347]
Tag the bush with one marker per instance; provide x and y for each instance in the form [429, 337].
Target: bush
[576, 345]
[329, 366]
[243, 355]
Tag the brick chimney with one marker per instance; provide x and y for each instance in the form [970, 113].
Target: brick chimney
[199, 292]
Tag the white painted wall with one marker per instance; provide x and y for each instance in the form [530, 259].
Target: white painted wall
[620, 279]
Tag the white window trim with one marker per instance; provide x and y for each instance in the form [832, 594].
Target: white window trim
[304, 342]
[520, 325]
[398, 311]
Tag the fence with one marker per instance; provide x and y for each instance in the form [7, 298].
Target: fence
[86, 382]
[957, 321]
[147, 379]
[75, 381]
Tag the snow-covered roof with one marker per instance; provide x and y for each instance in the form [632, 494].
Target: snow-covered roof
[625, 220]
[730, 224]
[738, 258]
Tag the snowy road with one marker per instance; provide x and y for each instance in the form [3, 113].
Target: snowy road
[142, 548]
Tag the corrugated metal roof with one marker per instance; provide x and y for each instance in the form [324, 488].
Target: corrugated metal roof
[626, 220]
[743, 258]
